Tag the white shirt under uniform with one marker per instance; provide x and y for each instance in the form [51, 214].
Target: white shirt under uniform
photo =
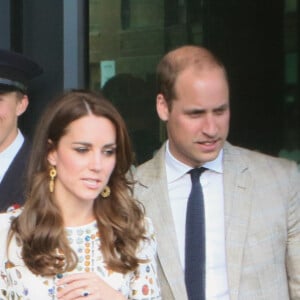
[179, 186]
[8, 155]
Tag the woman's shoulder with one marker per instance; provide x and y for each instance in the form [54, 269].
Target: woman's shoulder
[7, 217]
[10, 215]
[5, 222]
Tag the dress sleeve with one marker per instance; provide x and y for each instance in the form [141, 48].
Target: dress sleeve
[144, 282]
[3, 281]
[4, 227]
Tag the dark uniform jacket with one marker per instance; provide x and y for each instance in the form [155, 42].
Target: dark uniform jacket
[12, 185]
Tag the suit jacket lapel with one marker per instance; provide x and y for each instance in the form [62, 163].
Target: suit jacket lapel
[237, 198]
[12, 185]
[237, 202]
[159, 210]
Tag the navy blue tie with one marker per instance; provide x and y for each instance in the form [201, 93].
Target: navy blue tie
[195, 240]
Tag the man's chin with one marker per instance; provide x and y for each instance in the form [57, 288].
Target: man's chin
[207, 157]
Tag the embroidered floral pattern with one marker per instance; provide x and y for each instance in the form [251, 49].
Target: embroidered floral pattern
[18, 283]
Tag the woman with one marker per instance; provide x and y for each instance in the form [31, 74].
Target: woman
[80, 233]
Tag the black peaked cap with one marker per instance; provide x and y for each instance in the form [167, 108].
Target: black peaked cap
[16, 70]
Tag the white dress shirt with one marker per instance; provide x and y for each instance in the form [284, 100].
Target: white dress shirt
[179, 186]
[8, 155]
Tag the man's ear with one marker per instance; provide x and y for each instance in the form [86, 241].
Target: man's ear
[162, 107]
[22, 105]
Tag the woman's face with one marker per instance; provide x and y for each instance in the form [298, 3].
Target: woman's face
[84, 158]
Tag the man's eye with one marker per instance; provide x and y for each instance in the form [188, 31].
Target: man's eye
[220, 111]
[196, 115]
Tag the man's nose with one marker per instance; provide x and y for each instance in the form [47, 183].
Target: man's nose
[209, 126]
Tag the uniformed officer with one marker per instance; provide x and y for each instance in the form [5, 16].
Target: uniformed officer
[16, 71]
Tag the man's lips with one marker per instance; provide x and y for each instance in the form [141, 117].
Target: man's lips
[208, 145]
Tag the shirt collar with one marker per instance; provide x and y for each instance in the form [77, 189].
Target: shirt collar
[14, 147]
[176, 169]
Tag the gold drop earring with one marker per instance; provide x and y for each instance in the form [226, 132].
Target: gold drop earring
[52, 174]
[105, 192]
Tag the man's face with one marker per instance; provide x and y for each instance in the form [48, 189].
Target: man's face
[198, 121]
[11, 106]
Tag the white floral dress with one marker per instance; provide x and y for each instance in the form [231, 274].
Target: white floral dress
[19, 283]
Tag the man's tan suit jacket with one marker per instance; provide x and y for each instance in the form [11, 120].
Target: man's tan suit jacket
[262, 225]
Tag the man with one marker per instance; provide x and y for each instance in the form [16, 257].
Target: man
[15, 72]
[251, 200]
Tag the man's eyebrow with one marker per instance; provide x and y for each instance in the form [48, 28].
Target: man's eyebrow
[196, 110]
[223, 106]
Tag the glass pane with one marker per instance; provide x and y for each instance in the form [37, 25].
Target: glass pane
[256, 39]
[126, 42]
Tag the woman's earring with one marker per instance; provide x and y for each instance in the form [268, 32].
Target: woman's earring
[52, 174]
[106, 192]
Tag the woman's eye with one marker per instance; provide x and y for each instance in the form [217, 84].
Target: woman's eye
[109, 152]
[81, 150]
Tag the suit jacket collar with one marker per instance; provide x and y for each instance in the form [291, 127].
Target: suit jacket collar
[237, 198]
[159, 210]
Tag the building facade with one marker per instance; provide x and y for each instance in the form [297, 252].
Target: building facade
[114, 45]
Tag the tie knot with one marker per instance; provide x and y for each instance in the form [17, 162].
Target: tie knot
[196, 173]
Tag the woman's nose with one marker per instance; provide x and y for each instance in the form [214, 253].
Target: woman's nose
[95, 162]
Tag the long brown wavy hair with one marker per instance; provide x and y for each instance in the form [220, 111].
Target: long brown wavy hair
[40, 229]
